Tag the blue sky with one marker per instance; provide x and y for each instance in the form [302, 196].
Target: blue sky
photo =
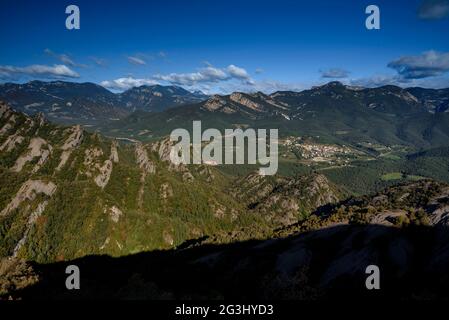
[223, 46]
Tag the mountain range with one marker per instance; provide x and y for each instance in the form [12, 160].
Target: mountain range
[333, 112]
[363, 178]
[68, 102]
[88, 103]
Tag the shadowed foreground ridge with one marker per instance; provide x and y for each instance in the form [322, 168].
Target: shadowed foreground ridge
[328, 263]
[403, 229]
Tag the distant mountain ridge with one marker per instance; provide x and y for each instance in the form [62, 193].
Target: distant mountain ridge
[62, 101]
[333, 112]
[158, 98]
[87, 103]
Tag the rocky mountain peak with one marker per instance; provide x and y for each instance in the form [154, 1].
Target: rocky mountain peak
[245, 100]
[214, 103]
[332, 84]
[4, 109]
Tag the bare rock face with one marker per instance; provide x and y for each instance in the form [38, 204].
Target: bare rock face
[64, 158]
[105, 174]
[106, 169]
[143, 161]
[38, 148]
[19, 134]
[5, 111]
[218, 210]
[320, 189]
[114, 152]
[438, 209]
[168, 238]
[228, 110]
[90, 157]
[146, 167]
[245, 103]
[40, 118]
[269, 100]
[166, 191]
[282, 199]
[5, 128]
[105, 243]
[92, 165]
[206, 172]
[28, 191]
[214, 103]
[31, 221]
[11, 142]
[29, 122]
[241, 99]
[163, 148]
[440, 216]
[387, 218]
[114, 213]
[187, 176]
[252, 187]
[73, 141]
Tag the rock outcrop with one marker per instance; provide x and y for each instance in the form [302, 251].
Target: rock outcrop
[163, 149]
[11, 142]
[102, 171]
[31, 221]
[105, 173]
[38, 147]
[146, 167]
[114, 213]
[28, 191]
[7, 113]
[166, 191]
[283, 199]
[73, 141]
[5, 110]
[145, 164]
[214, 103]
[114, 153]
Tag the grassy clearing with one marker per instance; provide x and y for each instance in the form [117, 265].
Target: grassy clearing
[392, 176]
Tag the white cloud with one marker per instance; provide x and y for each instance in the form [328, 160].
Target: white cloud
[205, 75]
[208, 79]
[136, 61]
[99, 61]
[334, 73]
[237, 72]
[433, 9]
[266, 86]
[208, 74]
[396, 80]
[127, 83]
[270, 86]
[376, 81]
[64, 58]
[55, 71]
[428, 64]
